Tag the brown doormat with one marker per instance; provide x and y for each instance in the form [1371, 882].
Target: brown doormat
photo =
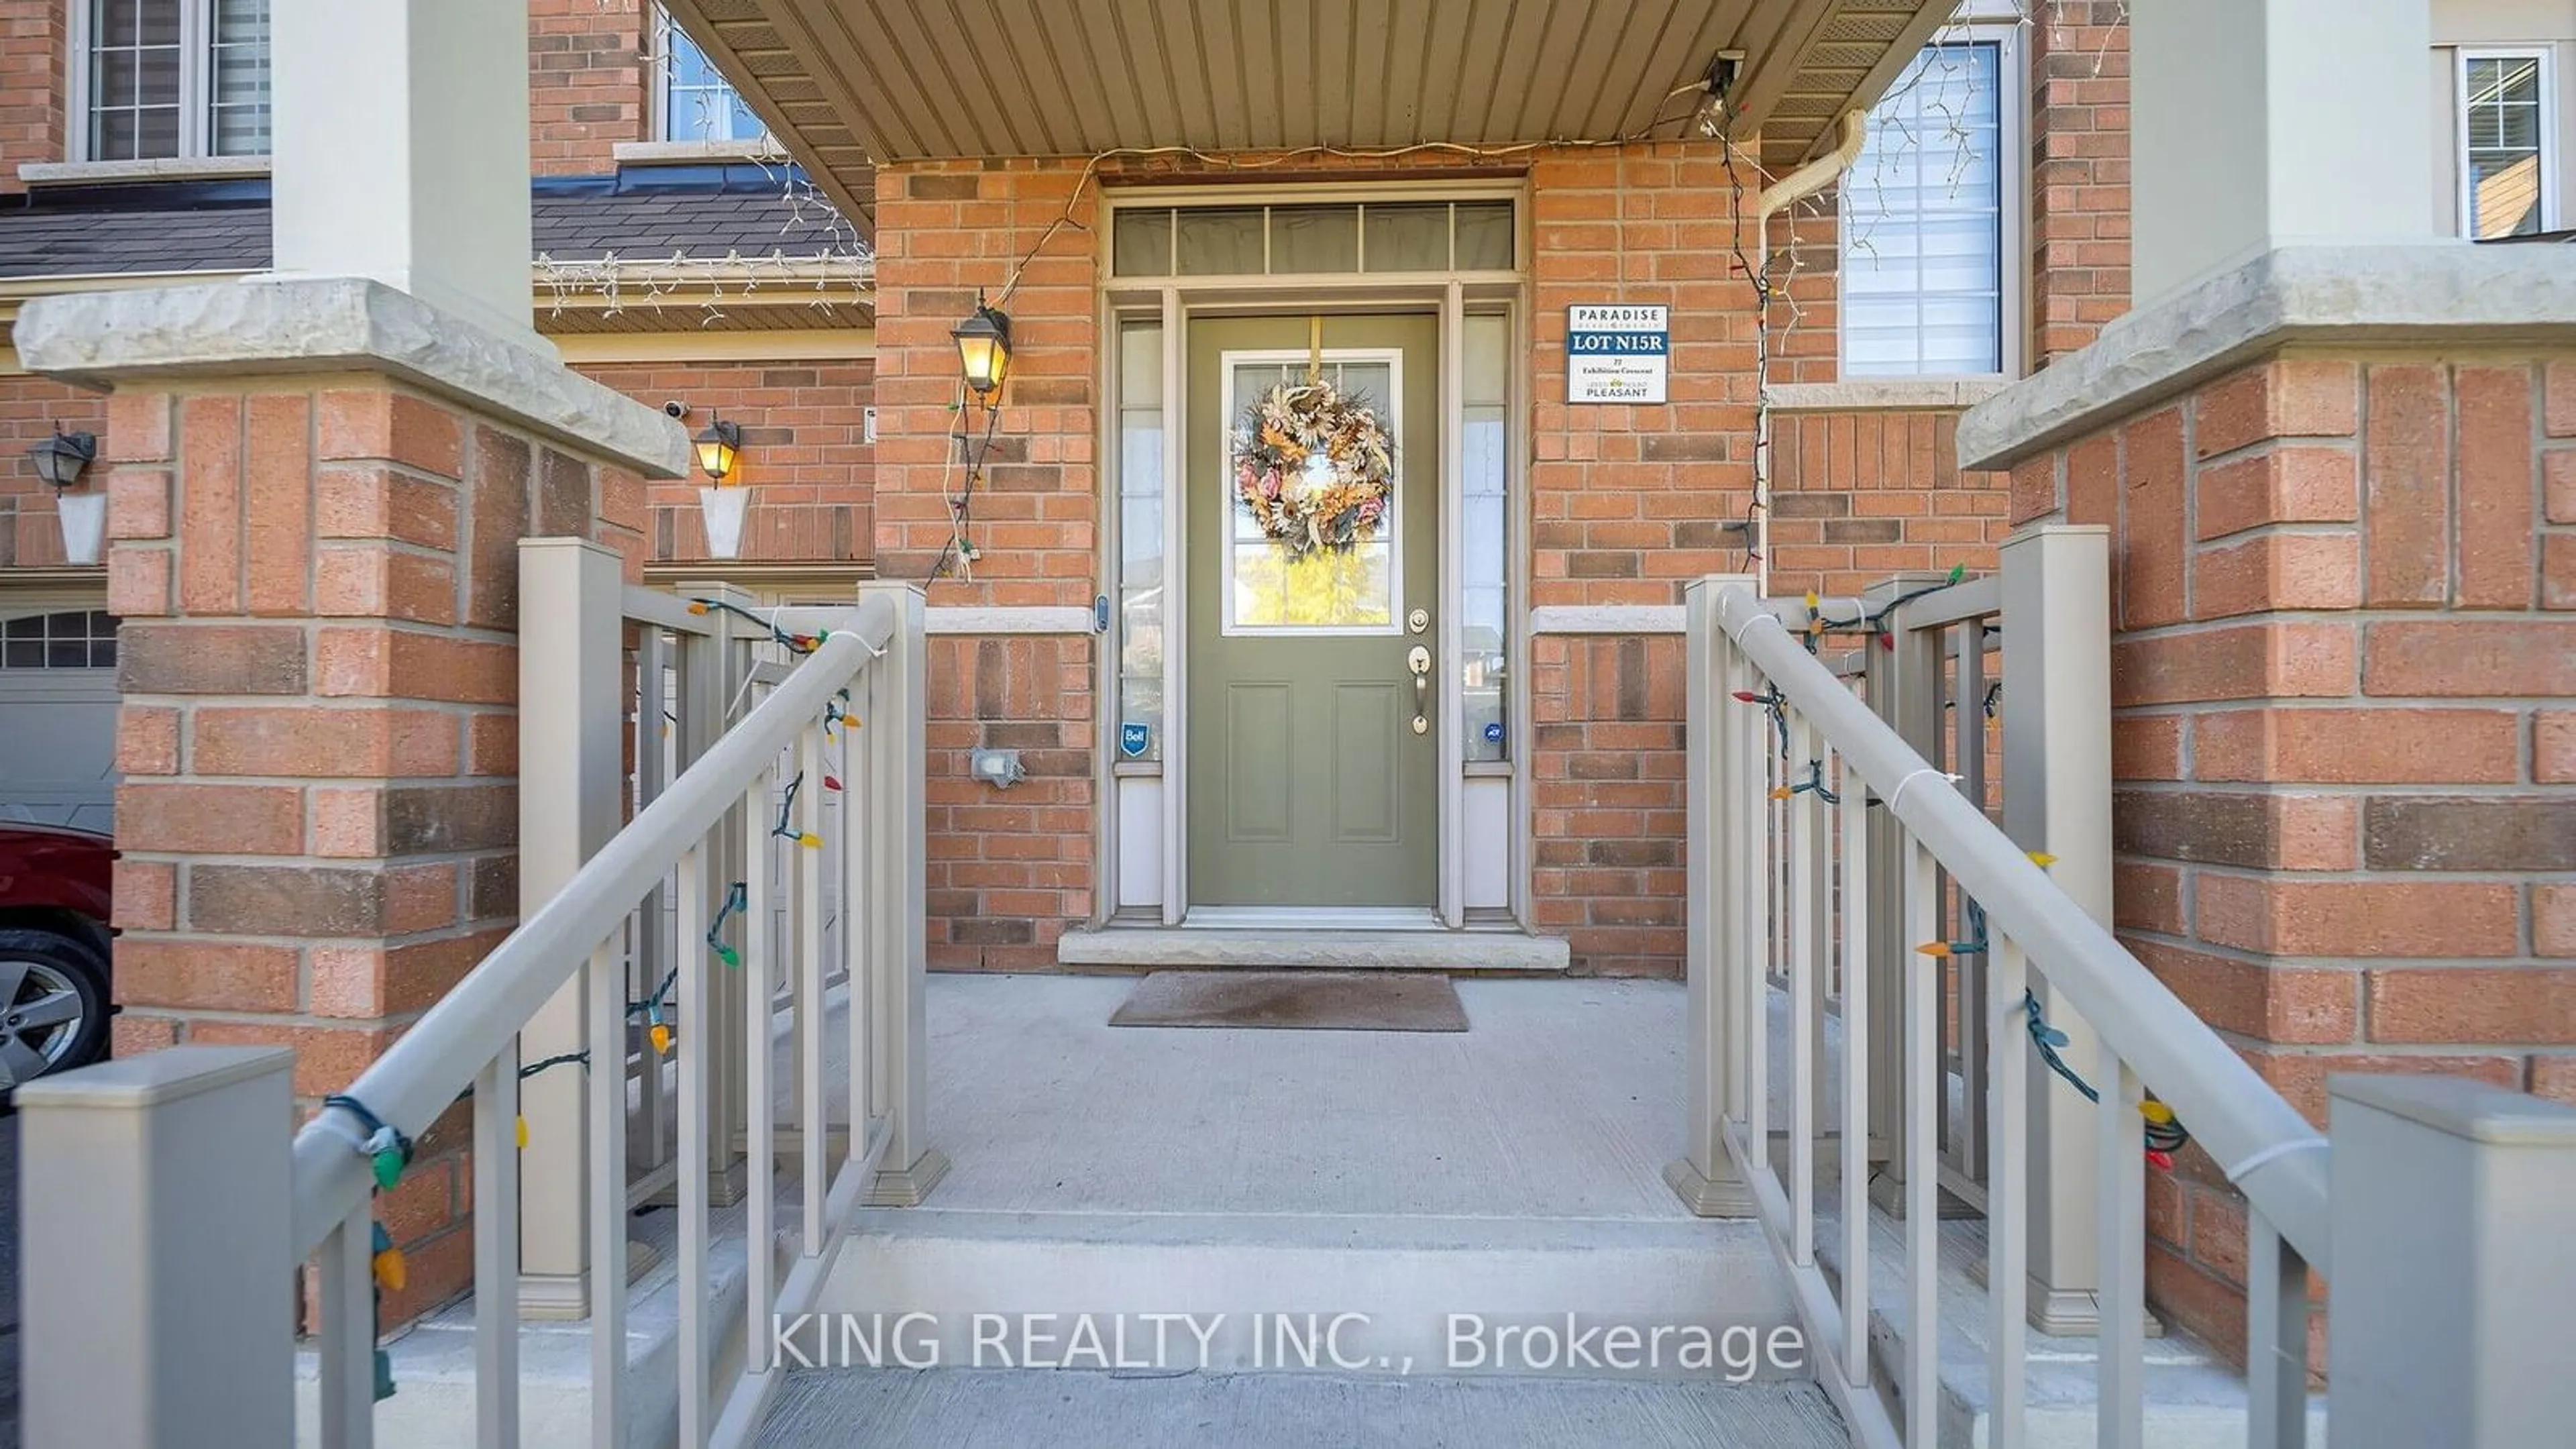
[1295, 1000]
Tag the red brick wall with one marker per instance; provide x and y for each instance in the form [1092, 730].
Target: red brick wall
[318, 818]
[1856, 497]
[29, 409]
[589, 83]
[2345, 764]
[32, 47]
[1626, 504]
[804, 452]
[2079, 185]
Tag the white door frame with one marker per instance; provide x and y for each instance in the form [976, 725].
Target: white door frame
[1181, 303]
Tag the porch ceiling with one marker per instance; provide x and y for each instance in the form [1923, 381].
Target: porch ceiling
[847, 83]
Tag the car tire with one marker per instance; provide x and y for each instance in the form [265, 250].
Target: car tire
[53, 1006]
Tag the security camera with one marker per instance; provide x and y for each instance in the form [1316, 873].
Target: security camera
[676, 409]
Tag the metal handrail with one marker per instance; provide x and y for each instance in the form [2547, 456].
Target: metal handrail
[2262, 1142]
[423, 1072]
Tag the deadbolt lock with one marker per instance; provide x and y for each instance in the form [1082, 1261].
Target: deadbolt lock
[1418, 620]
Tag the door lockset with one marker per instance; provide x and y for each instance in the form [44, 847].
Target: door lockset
[1418, 620]
[1418, 660]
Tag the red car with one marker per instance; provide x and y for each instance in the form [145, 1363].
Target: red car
[54, 885]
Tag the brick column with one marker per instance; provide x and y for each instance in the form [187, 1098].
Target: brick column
[317, 575]
[2341, 667]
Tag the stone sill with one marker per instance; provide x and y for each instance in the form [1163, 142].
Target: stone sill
[1884, 394]
[287, 326]
[2431, 293]
[176, 168]
[673, 153]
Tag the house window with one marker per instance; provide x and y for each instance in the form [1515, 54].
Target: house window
[2508, 185]
[160, 79]
[698, 103]
[1926, 272]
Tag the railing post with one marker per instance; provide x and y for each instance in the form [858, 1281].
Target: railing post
[896, 734]
[711, 683]
[1903, 684]
[572, 719]
[156, 1254]
[2453, 1266]
[1704, 1175]
[2057, 799]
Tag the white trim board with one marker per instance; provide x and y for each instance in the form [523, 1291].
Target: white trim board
[1607, 619]
[995, 619]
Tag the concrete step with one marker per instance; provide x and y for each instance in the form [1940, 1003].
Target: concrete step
[1416, 1295]
[1250, 1411]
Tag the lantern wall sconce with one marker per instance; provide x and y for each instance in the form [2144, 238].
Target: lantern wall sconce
[720, 448]
[62, 458]
[984, 349]
[722, 503]
[60, 461]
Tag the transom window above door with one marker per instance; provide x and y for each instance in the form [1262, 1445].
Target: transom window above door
[1313, 240]
[156, 80]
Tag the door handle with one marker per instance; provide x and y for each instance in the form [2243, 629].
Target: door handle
[1419, 661]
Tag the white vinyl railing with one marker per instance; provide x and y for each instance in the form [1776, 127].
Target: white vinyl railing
[852, 708]
[1795, 780]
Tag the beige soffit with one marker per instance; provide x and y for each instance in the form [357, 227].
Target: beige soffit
[844, 83]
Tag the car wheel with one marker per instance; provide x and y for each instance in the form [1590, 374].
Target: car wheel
[53, 1006]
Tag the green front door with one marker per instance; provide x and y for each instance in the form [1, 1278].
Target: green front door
[1309, 783]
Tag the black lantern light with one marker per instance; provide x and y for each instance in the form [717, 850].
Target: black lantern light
[719, 448]
[62, 458]
[984, 348]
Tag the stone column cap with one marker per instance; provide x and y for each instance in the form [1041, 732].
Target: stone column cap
[307, 325]
[2436, 293]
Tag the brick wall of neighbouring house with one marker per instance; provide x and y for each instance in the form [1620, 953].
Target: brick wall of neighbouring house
[2079, 183]
[804, 452]
[29, 409]
[318, 739]
[2344, 751]
[589, 83]
[32, 49]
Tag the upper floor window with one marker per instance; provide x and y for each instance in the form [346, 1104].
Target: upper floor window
[2508, 155]
[158, 79]
[1927, 274]
[698, 103]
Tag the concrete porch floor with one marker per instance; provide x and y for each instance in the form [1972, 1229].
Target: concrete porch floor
[1514, 1171]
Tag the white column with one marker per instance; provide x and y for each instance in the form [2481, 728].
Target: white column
[400, 150]
[2268, 123]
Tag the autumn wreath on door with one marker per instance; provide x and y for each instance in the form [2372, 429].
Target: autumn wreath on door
[1315, 466]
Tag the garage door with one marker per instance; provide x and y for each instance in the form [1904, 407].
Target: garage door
[58, 719]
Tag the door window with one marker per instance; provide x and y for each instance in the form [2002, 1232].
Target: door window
[1324, 591]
